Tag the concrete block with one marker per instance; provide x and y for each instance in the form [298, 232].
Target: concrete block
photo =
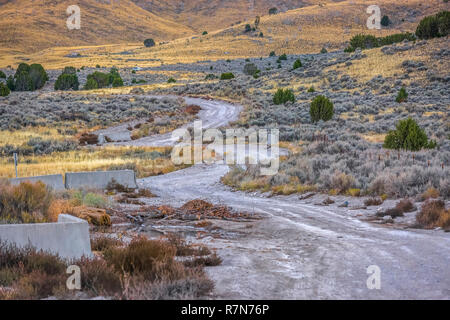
[54, 181]
[100, 179]
[68, 238]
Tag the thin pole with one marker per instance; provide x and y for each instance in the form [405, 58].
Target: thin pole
[15, 162]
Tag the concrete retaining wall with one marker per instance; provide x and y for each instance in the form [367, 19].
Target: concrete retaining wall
[69, 237]
[54, 181]
[100, 179]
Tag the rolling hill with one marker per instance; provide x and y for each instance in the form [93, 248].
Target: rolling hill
[120, 26]
[27, 26]
[216, 14]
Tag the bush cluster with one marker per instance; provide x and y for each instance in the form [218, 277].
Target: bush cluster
[67, 80]
[408, 136]
[283, 95]
[321, 109]
[4, 90]
[434, 26]
[227, 76]
[297, 64]
[38, 146]
[364, 41]
[149, 43]
[28, 78]
[98, 80]
[144, 269]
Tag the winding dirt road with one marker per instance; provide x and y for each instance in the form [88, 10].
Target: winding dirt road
[302, 251]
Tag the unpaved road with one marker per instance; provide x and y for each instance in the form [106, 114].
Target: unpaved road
[214, 114]
[302, 251]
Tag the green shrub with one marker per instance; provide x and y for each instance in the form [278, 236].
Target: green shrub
[273, 11]
[210, 76]
[248, 28]
[226, 76]
[395, 38]
[102, 80]
[171, 80]
[67, 81]
[283, 95]
[385, 21]
[369, 41]
[113, 74]
[408, 136]
[205, 33]
[297, 64]
[323, 50]
[250, 69]
[282, 57]
[434, 26]
[29, 78]
[23, 67]
[311, 89]
[23, 82]
[2, 75]
[38, 76]
[364, 41]
[91, 84]
[4, 90]
[149, 43]
[69, 70]
[272, 54]
[349, 49]
[10, 83]
[117, 82]
[402, 95]
[321, 109]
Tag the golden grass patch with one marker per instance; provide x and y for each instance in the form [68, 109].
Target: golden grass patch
[89, 160]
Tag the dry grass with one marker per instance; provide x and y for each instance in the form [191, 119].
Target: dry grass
[90, 160]
[377, 63]
[25, 203]
[430, 193]
[38, 26]
[20, 137]
[303, 30]
[433, 215]
[144, 269]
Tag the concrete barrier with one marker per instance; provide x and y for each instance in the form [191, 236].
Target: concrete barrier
[54, 181]
[68, 238]
[100, 179]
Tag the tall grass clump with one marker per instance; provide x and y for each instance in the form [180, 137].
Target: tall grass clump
[25, 203]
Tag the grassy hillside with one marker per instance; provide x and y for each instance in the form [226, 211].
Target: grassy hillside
[33, 25]
[308, 29]
[216, 14]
